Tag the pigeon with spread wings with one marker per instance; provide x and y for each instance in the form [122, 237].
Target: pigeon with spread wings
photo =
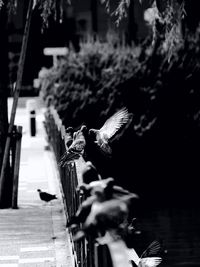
[76, 149]
[149, 258]
[109, 129]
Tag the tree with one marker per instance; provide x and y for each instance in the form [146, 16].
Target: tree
[7, 130]
[3, 93]
[164, 20]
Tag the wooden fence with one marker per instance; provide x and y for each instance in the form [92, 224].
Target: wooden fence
[86, 253]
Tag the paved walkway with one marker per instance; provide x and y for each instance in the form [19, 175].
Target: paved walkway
[35, 234]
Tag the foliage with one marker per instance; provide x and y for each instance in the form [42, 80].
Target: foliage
[120, 11]
[89, 78]
[104, 75]
[170, 18]
[163, 96]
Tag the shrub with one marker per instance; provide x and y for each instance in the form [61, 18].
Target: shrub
[88, 79]
[164, 97]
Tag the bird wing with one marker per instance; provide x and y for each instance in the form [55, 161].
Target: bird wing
[148, 257]
[77, 146]
[75, 149]
[114, 123]
[152, 250]
[78, 143]
[68, 140]
[150, 262]
[68, 157]
[47, 196]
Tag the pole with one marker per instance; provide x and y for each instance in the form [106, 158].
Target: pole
[16, 167]
[16, 96]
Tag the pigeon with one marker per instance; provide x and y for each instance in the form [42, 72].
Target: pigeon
[109, 188]
[109, 129]
[149, 257]
[99, 191]
[89, 173]
[68, 136]
[105, 215]
[103, 184]
[76, 149]
[46, 196]
[83, 211]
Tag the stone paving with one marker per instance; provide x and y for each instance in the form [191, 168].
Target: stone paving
[35, 234]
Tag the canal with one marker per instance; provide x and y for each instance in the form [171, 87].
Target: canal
[177, 228]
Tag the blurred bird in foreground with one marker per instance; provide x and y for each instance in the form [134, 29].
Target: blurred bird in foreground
[110, 189]
[98, 190]
[76, 149]
[149, 258]
[109, 129]
[90, 173]
[46, 196]
[92, 179]
[105, 215]
[68, 136]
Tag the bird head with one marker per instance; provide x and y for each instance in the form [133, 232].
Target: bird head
[83, 128]
[69, 129]
[39, 190]
[83, 189]
[92, 132]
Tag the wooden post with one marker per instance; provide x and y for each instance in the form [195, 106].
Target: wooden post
[16, 167]
[16, 96]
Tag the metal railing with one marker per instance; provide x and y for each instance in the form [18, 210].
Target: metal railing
[86, 252]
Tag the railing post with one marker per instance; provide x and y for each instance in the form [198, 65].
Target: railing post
[16, 167]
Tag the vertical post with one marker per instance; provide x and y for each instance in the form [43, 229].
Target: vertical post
[16, 96]
[13, 150]
[16, 167]
[3, 97]
[31, 109]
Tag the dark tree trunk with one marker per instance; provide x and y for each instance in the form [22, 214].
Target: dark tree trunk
[6, 199]
[132, 26]
[94, 13]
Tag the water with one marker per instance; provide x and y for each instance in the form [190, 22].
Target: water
[179, 228]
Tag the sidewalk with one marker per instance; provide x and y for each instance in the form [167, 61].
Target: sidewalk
[35, 234]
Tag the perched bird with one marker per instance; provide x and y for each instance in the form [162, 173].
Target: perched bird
[99, 191]
[108, 187]
[105, 215]
[68, 136]
[82, 212]
[101, 183]
[46, 196]
[149, 258]
[84, 209]
[109, 129]
[90, 173]
[76, 149]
